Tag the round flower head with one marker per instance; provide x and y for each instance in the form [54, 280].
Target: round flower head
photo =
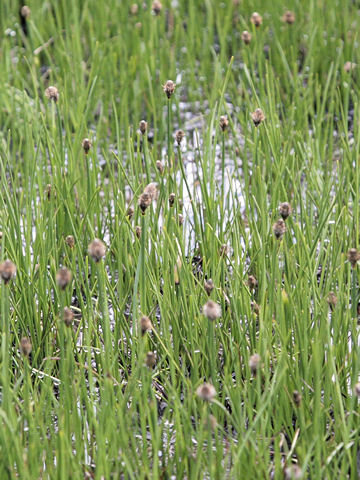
[297, 398]
[86, 145]
[285, 210]
[256, 19]
[246, 37]
[209, 286]
[254, 363]
[353, 256]
[279, 229]
[70, 241]
[63, 277]
[25, 12]
[145, 324]
[212, 310]
[25, 346]
[143, 127]
[169, 88]
[257, 117]
[7, 271]
[289, 17]
[224, 123]
[179, 135]
[156, 7]
[150, 359]
[68, 316]
[52, 93]
[97, 250]
[206, 392]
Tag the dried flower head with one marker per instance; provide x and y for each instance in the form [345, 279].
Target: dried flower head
[160, 166]
[349, 66]
[70, 241]
[357, 389]
[172, 197]
[143, 127]
[293, 472]
[97, 250]
[332, 300]
[246, 37]
[285, 210]
[209, 286]
[7, 271]
[25, 346]
[130, 212]
[169, 88]
[138, 231]
[288, 17]
[179, 135]
[180, 219]
[254, 363]
[134, 9]
[52, 93]
[353, 256]
[279, 228]
[224, 123]
[25, 12]
[297, 398]
[68, 316]
[257, 117]
[150, 359]
[256, 19]
[148, 195]
[48, 190]
[156, 7]
[212, 310]
[86, 145]
[206, 392]
[63, 277]
[252, 282]
[145, 324]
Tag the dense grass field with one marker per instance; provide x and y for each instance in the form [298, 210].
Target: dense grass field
[212, 329]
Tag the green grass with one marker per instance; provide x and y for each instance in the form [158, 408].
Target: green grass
[84, 403]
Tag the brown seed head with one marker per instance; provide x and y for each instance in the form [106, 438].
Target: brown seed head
[143, 127]
[349, 66]
[150, 359]
[86, 145]
[224, 250]
[246, 37]
[212, 310]
[257, 117]
[172, 197]
[134, 9]
[285, 210]
[160, 166]
[206, 392]
[256, 19]
[7, 271]
[293, 472]
[179, 135]
[353, 256]
[255, 308]
[138, 231]
[97, 250]
[145, 324]
[156, 7]
[169, 88]
[209, 286]
[25, 346]
[70, 241]
[25, 12]
[252, 282]
[52, 93]
[144, 202]
[130, 212]
[288, 17]
[68, 316]
[332, 300]
[297, 398]
[357, 389]
[63, 277]
[279, 228]
[180, 219]
[254, 363]
[224, 123]
[48, 190]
